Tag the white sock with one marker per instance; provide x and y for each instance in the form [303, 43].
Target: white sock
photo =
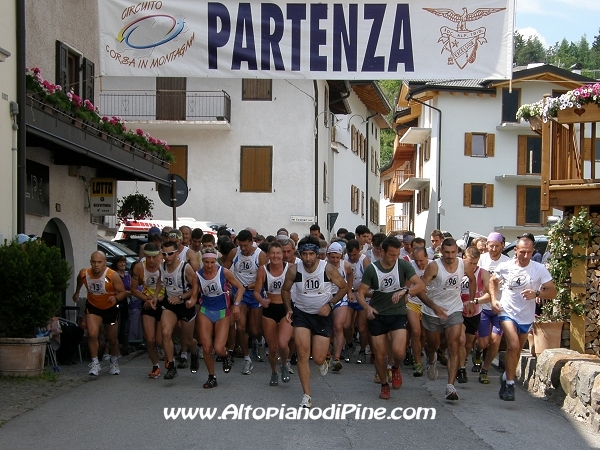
[183, 355]
[247, 358]
[510, 382]
[95, 360]
[503, 376]
[113, 359]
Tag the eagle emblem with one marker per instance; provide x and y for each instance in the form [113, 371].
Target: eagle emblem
[462, 43]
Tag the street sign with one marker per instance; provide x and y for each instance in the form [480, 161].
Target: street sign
[181, 192]
[103, 196]
[305, 219]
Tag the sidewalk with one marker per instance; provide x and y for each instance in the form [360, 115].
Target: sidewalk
[22, 394]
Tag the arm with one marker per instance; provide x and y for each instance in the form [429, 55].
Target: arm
[192, 259]
[493, 291]
[235, 307]
[80, 278]
[228, 261]
[335, 277]
[261, 275]
[360, 298]
[349, 280]
[120, 292]
[430, 273]
[192, 298]
[286, 291]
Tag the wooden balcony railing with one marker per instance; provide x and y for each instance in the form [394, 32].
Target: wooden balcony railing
[400, 176]
[397, 223]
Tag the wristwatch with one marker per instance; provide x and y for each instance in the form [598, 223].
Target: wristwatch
[236, 304]
[331, 305]
[476, 301]
[537, 293]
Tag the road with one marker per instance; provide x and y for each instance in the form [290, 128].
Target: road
[127, 411]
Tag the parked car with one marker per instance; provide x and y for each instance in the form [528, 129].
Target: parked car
[112, 249]
[133, 243]
[541, 242]
[469, 236]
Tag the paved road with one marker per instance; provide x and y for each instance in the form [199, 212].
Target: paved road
[127, 411]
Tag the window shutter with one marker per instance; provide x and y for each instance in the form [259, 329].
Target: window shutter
[467, 194]
[521, 192]
[491, 144]
[522, 156]
[62, 65]
[489, 195]
[256, 169]
[468, 144]
[180, 166]
[88, 80]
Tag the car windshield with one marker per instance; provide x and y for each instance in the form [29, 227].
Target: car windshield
[118, 249]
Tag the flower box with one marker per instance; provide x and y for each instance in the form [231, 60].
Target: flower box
[587, 113]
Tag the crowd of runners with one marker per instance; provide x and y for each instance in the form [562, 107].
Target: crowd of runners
[394, 301]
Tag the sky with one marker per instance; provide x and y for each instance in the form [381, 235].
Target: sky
[553, 20]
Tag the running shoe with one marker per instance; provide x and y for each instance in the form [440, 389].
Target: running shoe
[396, 377]
[285, 374]
[237, 352]
[376, 378]
[461, 377]
[509, 393]
[502, 390]
[418, 370]
[294, 359]
[362, 358]
[154, 373]
[306, 401]
[106, 357]
[210, 383]
[441, 357]
[171, 371]
[274, 379]
[200, 352]
[94, 369]
[289, 368]
[483, 377]
[183, 363]
[476, 359]
[337, 365]
[451, 393]
[432, 372]
[408, 361]
[195, 363]
[114, 368]
[227, 363]
[324, 368]
[385, 392]
[261, 352]
[389, 375]
[248, 366]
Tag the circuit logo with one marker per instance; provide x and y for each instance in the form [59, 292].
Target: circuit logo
[150, 31]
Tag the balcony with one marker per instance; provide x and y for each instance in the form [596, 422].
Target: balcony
[396, 195]
[570, 163]
[397, 223]
[76, 143]
[211, 109]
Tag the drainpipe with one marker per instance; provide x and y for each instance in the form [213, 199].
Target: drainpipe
[21, 144]
[15, 196]
[316, 103]
[367, 155]
[439, 157]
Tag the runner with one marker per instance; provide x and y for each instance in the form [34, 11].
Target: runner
[340, 310]
[276, 326]
[524, 281]
[442, 310]
[312, 310]
[104, 290]
[387, 311]
[419, 263]
[215, 311]
[356, 314]
[244, 262]
[436, 240]
[146, 275]
[181, 295]
[490, 330]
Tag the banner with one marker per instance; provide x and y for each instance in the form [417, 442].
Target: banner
[347, 40]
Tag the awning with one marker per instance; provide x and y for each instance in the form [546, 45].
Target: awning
[414, 184]
[415, 135]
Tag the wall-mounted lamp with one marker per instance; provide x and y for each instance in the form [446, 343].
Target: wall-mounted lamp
[4, 54]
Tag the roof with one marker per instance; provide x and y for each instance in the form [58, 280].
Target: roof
[339, 91]
[371, 95]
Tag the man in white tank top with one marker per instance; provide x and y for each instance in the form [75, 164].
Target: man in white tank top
[442, 310]
[312, 311]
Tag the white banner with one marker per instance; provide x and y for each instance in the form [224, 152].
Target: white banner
[365, 39]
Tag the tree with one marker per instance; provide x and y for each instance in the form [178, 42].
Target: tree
[530, 51]
[390, 89]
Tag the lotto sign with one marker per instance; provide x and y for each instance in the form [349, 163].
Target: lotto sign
[103, 196]
[364, 39]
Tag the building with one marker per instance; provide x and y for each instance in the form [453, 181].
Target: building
[260, 152]
[463, 162]
[8, 89]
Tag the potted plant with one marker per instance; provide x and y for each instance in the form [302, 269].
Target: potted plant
[564, 237]
[134, 207]
[34, 278]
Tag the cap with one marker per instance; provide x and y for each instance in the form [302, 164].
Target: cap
[336, 247]
[496, 237]
[408, 238]
[22, 238]
[528, 236]
[461, 244]
[153, 230]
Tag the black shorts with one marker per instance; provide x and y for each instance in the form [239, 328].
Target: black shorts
[182, 313]
[319, 325]
[156, 313]
[109, 316]
[472, 323]
[383, 324]
[275, 312]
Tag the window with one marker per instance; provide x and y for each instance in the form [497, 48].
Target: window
[325, 198]
[510, 104]
[480, 144]
[529, 155]
[180, 166]
[363, 147]
[423, 200]
[478, 195]
[372, 160]
[374, 210]
[256, 169]
[528, 205]
[170, 98]
[426, 149]
[253, 89]
[354, 199]
[75, 72]
[587, 144]
[362, 204]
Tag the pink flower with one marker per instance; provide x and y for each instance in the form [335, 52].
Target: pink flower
[139, 132]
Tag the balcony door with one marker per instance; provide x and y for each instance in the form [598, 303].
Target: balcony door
[170, 98]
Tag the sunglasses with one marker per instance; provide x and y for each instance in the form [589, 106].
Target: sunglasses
[168, 253]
